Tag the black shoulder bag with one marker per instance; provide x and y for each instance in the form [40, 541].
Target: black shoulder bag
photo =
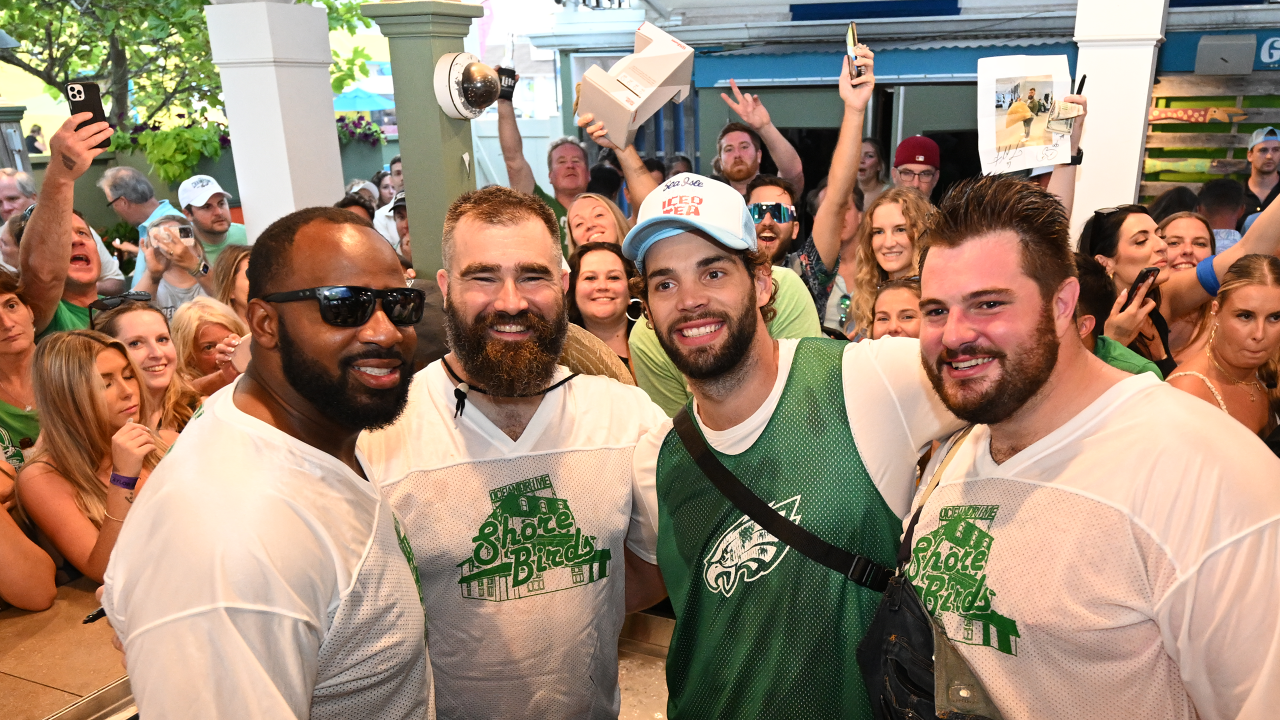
[911, 669]
[856, 568]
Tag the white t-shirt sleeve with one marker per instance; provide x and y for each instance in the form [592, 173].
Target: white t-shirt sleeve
[894, 413]
[1222, 627]
[642, 536]
[247, 677]
[110, 265]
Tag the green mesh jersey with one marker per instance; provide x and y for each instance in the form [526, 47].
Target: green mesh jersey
[761, 630]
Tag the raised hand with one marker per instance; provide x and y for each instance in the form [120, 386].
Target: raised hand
[72, 151]
[856, 91]
[598, 132]
[129, 446]
[172, 247]
[747, 106]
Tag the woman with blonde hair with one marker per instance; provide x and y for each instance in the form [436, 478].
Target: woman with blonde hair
[231, 276]
[205, 334]
[1188, 239]
[887, 250]
[144, 332]
[1238, 369]
[595, 218]
[94, 452]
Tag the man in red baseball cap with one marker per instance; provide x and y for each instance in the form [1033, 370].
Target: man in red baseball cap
[916, 163]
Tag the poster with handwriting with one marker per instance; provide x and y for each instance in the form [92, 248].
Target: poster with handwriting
[1018, 96]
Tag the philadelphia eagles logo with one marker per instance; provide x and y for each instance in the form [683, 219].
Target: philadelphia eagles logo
[746, 551]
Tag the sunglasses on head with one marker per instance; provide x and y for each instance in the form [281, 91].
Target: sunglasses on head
[1103, 212]
[114, 301]
[781, 213]
[352, 306]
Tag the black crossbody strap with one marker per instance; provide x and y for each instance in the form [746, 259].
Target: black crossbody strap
[857, 568]
[904, 550]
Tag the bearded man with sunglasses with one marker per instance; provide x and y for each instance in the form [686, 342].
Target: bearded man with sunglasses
[513, 479]
[262, 574]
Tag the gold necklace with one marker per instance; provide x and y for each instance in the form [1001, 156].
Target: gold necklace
[1249, 383]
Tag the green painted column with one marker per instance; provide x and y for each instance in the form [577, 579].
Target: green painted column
[12, 142]
[432, 144]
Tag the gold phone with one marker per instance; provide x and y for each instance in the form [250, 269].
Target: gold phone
[851, 43]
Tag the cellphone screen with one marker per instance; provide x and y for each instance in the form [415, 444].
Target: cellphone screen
[850, 44]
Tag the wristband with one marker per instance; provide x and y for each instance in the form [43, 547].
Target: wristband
[1207, 276]
[507, 78]
[123, 481]
[1078, 157]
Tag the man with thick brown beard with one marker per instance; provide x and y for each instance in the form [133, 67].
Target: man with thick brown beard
[740, 146]
[1101, 545]
[513, 479]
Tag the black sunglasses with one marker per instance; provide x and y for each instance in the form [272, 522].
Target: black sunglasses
[114, 301]
[352, 306]
[781, 213]
[1103, 212]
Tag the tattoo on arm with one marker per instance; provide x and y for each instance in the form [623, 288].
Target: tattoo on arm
[67, 162]
[130, 496]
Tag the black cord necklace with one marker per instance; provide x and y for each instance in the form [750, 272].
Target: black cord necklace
[460, 392]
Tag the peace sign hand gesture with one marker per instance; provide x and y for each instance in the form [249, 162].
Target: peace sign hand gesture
[748, 107]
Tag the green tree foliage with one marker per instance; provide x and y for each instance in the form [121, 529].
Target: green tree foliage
[151, 57]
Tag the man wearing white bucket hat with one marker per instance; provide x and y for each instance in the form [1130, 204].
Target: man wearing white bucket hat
[204, 202]
[826, 433]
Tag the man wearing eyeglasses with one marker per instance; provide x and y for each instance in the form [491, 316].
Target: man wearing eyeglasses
[915, 164]
[285, 588]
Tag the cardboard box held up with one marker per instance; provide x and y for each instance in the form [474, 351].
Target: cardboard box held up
[638, 85]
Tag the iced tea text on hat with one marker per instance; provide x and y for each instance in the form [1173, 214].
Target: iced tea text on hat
[691, 202]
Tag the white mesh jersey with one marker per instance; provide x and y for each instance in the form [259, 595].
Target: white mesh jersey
[519, 543]
[258, 577]
[1127, 565]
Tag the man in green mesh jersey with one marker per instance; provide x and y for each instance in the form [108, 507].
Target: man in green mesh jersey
[826, 432]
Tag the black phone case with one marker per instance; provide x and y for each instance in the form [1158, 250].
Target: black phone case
[87, 97]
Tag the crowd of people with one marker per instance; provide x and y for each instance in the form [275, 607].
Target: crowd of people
[313, 484]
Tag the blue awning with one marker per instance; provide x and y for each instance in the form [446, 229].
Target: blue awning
[819, 64]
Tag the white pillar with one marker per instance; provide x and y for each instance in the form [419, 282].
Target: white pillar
[274, 61]
[1118, 42]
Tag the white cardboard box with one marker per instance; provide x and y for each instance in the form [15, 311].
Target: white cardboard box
[660, 69]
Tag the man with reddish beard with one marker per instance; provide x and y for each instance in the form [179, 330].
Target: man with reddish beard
[513, 479]
[825, 432]
[1105, 570]
[740, 146]
[60, 278]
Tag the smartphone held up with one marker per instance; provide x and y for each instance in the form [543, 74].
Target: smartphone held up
[851, 45]
[85, 97]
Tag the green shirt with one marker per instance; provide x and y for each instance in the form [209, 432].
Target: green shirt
[68, 316]
[236, 235]
[1119, 356]
[657, 375]
[18, 431]
[761, 630]
[562, 216]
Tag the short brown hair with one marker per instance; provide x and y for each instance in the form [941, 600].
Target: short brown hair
[754, 261]
[993, 203]
[763, 180]
[497, 205]
[742, 128]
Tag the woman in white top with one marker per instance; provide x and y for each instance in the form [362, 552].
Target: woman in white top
[1238, 369]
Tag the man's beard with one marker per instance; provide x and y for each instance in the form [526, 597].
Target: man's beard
[506, 368]
[1021, 376]
[350, 405]
[740, 171]
[707, 363]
